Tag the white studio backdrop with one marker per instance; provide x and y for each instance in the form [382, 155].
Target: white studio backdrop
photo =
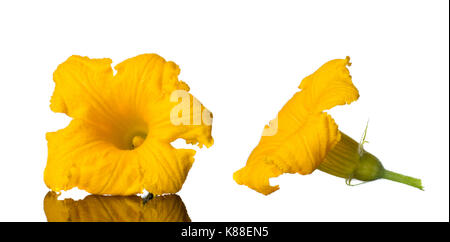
[243, 60]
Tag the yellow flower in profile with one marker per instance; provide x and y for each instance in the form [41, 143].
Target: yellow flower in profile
[304, 138]
[118, 141]
[97, 208]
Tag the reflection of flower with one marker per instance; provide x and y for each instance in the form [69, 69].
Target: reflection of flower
[119, 139]
[307, 138]
[97, 208]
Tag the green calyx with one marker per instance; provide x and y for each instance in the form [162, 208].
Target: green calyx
[349, 160]
[369, 168]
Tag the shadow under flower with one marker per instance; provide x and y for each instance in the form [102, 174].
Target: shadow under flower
[97, 208]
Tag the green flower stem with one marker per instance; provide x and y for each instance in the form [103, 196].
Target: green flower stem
[393, 176]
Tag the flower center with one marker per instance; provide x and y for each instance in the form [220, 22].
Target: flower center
[127, 133]
[137, 141]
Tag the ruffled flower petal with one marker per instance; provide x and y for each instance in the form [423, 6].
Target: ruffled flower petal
[80, 88]
[82, 156]
[95, 208]
[119, 139]
[304, 133]
[150, 85]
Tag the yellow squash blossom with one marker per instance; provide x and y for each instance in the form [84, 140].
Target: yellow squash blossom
[118, 141]
[97, 208]
[303, 137]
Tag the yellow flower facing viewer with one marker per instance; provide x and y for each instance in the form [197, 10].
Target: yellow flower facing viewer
[98, 208]
[118, 141]
[303, 137]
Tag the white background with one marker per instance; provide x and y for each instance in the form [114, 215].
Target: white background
[244, 60]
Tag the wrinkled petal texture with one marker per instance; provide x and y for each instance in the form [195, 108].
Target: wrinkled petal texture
[97, 208]
[304, 132]
[94, 151]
